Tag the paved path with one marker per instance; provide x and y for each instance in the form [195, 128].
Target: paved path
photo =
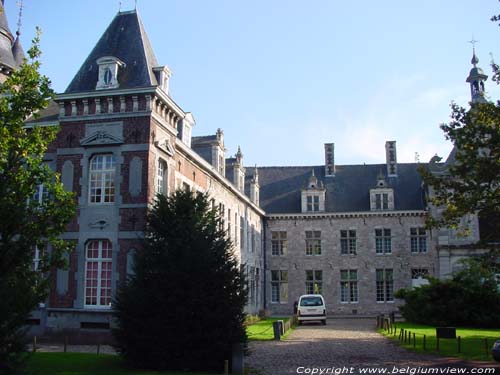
[342, 345]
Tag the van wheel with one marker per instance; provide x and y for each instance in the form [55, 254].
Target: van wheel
[299, 322]
[323, 322]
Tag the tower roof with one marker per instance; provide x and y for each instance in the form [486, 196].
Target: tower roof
[6, 40]
[125, 39]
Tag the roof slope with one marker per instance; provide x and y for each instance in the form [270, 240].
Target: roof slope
[348, 191]
[126, 40]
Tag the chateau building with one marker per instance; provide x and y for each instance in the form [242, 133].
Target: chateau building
[354, 233]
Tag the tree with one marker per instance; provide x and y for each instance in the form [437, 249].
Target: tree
[34, 208]
[471, 298]
[472, 183]
[183, 306]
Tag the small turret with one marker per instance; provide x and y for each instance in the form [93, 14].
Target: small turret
[476, 79]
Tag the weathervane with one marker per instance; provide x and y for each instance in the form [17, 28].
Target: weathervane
[119, 6]
[473, 42]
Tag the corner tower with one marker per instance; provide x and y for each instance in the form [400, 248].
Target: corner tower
[11, 51]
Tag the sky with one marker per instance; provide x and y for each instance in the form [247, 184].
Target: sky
[283, 77]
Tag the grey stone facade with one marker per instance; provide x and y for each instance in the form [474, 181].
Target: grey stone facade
[401, 260]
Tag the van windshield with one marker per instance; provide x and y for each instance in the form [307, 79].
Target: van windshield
[311, 301]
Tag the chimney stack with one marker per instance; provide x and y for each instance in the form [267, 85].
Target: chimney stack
[391, 158]
[329, 159]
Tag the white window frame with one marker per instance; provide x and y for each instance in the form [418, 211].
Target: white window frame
[161, 173]
[314, 281]
[418, 240]
[100, 264]
[383, 242]
[100, 177]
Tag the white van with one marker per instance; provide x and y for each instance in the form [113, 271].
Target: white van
[311, 307]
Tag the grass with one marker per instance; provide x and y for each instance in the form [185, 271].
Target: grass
[263, 329]
[472, 346]
[86, 364]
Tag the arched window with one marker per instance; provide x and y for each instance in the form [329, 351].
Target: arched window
[98, 273]
[161, 177]
[102, 179]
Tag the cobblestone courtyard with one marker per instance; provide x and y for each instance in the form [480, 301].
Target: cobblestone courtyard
[341, 343]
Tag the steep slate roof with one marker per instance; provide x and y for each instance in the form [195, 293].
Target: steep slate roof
[126, 40]
[6, 41]
[348, 191]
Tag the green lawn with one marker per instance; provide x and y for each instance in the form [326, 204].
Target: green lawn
[473, 345]
[263, 329]
[85, 364]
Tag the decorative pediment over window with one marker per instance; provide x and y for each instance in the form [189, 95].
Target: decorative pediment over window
[165, 146]
[100, 137]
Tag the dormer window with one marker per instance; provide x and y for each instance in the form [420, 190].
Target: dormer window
[313, 195]
[381, 196]
[108, 72]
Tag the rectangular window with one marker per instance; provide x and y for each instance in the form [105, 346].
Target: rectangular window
[98, 272]
[160, 178]
[382, 201]
[316, 203]
[314, 282]
[313, 242]
[36, 258]
[235, 229]
[383, 243]
[349, 285]
[312, 203]
[418, 240]
[252, 238]
[242, 232]
[102, 179]
[348, 242]
[278, 243]
[385, 285]
[279, 286]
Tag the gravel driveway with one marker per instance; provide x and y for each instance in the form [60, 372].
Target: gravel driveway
[346, 345]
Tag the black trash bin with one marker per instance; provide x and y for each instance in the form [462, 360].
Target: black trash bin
[295, 307]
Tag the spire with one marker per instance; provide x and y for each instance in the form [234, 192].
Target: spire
[239, 155]
[476, 78]
[255, 178]
[17, 48]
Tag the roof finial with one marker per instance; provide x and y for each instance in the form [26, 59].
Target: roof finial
[474, 60]
[119, 6]
[19, 21]
[135, 7]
